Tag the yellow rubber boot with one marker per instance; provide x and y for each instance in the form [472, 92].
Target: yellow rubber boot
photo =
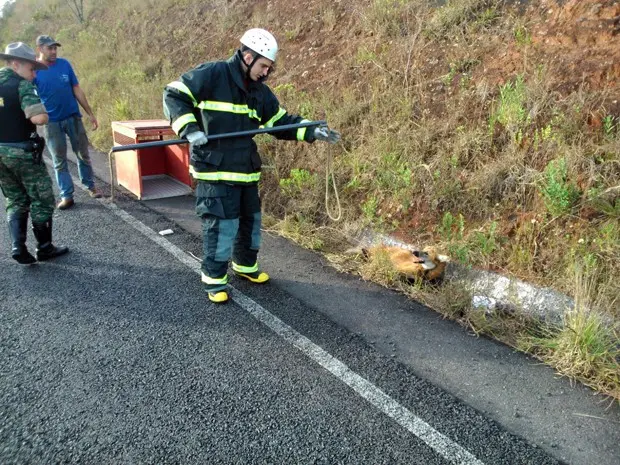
[218, 297]
[258, 277]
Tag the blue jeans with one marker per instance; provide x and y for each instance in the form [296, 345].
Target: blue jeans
[56, 133]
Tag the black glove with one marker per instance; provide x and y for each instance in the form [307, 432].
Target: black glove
[38, 145]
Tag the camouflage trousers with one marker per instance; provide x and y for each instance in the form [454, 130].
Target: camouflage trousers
[26, 186]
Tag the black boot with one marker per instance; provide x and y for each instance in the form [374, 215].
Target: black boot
[45, 249]
[18, 227]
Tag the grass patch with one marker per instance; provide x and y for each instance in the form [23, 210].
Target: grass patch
[459, 14]
[586, 348]
[298, 229]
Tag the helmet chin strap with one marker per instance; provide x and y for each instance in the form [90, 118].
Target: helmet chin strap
[247, 73]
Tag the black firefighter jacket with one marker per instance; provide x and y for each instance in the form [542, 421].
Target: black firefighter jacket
[213, 98]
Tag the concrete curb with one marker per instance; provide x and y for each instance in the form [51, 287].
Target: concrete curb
[496, 292]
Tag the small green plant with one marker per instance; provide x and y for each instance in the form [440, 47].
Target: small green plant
[305, 106]
[369, 208]
[511, 111]
[486, 243]
[454, 161]
[460, 253]
[388, 17]
[610, 126]
[297, 100]
[522, 36]
[486, 18]
[452, 231]
[543, 135]
[282, 89]
[393, 173]
[448, 78]
[298, 182]
[558, 193]
[608, 237]
[41, 15]
[451, 228]
[354, 183]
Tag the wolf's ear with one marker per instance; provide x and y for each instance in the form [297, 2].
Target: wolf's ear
[431, 253]
[365, 253]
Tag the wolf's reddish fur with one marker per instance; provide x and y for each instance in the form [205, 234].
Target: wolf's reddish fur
[410, 264]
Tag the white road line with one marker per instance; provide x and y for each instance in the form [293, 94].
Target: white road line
[444, 446]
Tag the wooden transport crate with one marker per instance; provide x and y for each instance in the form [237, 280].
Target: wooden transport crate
[154, 172]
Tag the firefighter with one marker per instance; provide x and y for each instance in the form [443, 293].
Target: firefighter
[229, 96]
[24, 180]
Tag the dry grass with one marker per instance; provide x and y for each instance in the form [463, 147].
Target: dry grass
[587, 347]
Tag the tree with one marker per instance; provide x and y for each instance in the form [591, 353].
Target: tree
[6, 8]
[77, 8]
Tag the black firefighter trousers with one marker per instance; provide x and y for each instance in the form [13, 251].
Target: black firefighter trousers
[231, 227]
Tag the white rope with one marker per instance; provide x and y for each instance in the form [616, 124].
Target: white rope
[329, 171]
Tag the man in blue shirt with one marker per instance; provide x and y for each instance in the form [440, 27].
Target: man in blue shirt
[60, 92]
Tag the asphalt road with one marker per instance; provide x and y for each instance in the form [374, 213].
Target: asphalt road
[113, 354]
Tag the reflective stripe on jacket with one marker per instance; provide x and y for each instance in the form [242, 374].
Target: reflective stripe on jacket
[216, 98]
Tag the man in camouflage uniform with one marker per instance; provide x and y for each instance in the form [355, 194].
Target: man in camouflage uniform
[24, 180]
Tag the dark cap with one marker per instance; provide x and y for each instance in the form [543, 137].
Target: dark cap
[47, 40]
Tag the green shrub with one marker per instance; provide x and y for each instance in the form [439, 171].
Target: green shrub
[300, 181]
[522, 35]
[369, 208]
[511, 111]
[559, 194]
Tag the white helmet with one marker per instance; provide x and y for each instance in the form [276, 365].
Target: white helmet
[262, 42]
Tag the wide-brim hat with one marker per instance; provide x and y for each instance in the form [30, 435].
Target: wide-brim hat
[20, 51]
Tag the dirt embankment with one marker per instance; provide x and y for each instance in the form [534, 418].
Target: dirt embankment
[578, 41]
